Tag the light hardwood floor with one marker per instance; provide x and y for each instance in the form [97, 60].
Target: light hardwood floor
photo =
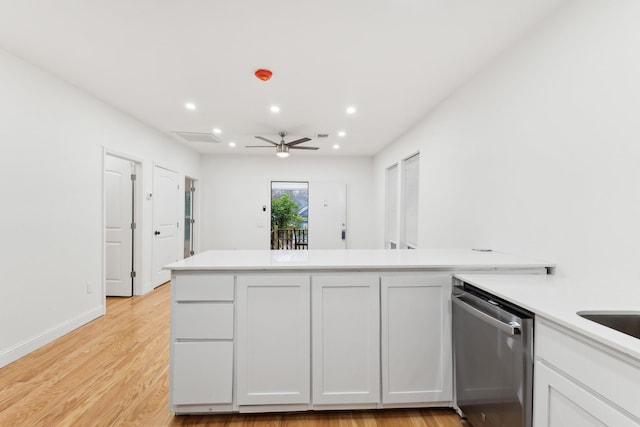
[114, 372]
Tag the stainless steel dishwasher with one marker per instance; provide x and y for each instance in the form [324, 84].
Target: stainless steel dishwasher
[493, 358]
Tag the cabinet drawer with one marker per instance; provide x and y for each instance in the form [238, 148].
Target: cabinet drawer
[202, 287]
[202, 373]
[203, 320]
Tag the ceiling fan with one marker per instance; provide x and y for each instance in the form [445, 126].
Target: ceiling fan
[282, 149]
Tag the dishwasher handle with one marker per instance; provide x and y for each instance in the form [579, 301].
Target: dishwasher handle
[512, 328]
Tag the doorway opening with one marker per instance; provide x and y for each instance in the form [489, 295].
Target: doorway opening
[391, 208]
[289, 215]
[189, 220]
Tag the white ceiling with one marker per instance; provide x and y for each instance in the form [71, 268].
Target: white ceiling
[394, 60]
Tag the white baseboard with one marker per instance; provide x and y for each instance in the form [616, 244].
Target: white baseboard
[15, 352]
[293, 407]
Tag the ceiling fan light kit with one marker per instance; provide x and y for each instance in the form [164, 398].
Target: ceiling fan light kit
[282, 151]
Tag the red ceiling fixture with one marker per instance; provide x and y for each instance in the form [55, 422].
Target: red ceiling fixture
[263, 74]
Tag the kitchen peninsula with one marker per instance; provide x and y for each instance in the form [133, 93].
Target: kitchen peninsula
[260, 331]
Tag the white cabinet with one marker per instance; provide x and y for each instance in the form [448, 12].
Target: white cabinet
[346, 339]
[560, 402]
[578, 382]
[242, 323]
[202, 373]
[201, 286]
[203, 320]
[202, 310]
[416, 339]
[273, 339]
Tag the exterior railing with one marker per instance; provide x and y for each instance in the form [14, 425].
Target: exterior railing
[290, 238]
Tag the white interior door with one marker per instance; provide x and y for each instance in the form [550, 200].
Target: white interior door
[327, 215]
[118, 219]
[166, 241]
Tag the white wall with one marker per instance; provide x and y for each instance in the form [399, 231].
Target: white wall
[234, 189]
[52, 137]
[539, 155]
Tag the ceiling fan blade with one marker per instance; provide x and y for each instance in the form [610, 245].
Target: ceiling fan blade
[304, 148]
[267, 140]
[258, 146]
[297, 141]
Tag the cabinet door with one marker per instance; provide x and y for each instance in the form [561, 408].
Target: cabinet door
[559, 402]
[202, 373]
[346, 339]
[273, 339]
[416, 339]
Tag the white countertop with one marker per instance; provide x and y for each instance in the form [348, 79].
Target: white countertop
[353, 259]
[559, 300]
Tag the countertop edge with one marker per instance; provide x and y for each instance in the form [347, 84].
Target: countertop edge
[417, 267]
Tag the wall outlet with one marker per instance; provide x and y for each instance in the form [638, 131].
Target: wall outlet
[89, 288]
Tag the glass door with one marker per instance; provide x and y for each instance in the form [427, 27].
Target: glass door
[189, 221]
[289, 215]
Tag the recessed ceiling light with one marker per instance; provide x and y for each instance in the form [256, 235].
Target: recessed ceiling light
[336, 146]
[232, 144]
[274, 109]
[217, 131]
[342, 133]
[351, 110]
[190, 106]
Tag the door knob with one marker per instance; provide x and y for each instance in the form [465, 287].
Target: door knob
[156, 232]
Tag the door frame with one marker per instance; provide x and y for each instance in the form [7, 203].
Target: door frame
[137, 218]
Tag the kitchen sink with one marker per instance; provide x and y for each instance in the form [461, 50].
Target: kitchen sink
[626, 322]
